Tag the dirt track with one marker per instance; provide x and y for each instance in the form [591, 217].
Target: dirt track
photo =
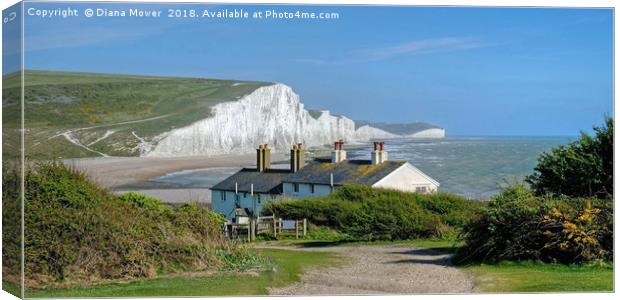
[382, 270]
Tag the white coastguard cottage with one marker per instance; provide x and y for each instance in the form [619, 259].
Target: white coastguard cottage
[249, 189]
[321, 176]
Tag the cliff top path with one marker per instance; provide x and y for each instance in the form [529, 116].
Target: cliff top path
[380, 269]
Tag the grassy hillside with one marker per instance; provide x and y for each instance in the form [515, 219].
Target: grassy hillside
[107, 114]
[80, 233]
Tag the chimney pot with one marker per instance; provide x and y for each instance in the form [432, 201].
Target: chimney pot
[297, 157]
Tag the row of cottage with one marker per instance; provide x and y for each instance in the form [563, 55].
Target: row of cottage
[249, 189]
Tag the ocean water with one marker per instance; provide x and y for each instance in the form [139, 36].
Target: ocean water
[474, 167]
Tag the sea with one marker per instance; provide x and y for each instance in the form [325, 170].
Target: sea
[473, 167]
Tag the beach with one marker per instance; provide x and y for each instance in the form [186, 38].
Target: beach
[115, 172]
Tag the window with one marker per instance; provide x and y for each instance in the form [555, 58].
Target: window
[420, 189]
[258, 196]
[312, 188]
[296, 187]
[223, 196]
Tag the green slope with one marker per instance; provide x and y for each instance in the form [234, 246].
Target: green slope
[107, 105]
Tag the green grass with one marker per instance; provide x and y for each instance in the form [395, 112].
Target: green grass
[506, 276]
[286, 269]
[12, 289]
[59, 101]
[540, 277]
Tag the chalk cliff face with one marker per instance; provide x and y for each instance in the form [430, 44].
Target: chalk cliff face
[367, 132]
[270, 115]
[433, 133]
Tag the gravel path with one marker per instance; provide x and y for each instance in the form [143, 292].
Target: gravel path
[382, 270]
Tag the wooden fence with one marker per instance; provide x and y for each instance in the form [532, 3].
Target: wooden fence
[269, 225]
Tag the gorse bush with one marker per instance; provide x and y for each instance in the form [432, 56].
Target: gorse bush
[517, 225]
[366, 213]
[78, 232]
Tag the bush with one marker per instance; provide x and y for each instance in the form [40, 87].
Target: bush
[584, 168]
[144, 201]
[362, 212]
[517, 225]
[77, 232]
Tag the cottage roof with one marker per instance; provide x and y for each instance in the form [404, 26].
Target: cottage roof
[347, 171]
[269, 181]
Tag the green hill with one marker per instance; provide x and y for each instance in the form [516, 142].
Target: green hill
[72, 114]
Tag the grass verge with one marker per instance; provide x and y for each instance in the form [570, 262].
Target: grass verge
[286, 269]
[510, 277]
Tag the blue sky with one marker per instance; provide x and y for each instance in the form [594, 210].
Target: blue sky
[474, 71]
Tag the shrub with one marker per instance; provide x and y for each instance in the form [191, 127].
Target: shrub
[517, 225]
[141, 200]
[362, 212]
[583, 168]
[78, 232]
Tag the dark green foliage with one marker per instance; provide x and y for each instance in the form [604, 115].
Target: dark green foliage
[517, 225]
[583, 168]
[78, 232]
[366, 213]
[11, 226]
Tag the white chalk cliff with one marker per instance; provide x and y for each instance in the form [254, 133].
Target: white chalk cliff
[367, 132]
[270, 115]
[431, 133]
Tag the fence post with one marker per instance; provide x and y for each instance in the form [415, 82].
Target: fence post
[252, 230]
[275, 227]
[280, 226]
[296, 229]
[305, 226]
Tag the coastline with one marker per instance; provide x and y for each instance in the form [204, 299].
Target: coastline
[111, 172]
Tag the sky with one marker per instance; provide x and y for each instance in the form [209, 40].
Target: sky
[470, 70]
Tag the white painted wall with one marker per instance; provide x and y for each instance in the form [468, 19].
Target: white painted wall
[407, 178]
[227, 207]
[305, 190]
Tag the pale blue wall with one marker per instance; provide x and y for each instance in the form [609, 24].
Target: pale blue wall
[227, 207]
[305, 190]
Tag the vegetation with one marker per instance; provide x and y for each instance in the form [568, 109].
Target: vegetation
[285, 267]
[540, 277]
[582, 169]
[518, 225]
[107, 105]
[567, 218]
[78, 232]
[364, 213]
